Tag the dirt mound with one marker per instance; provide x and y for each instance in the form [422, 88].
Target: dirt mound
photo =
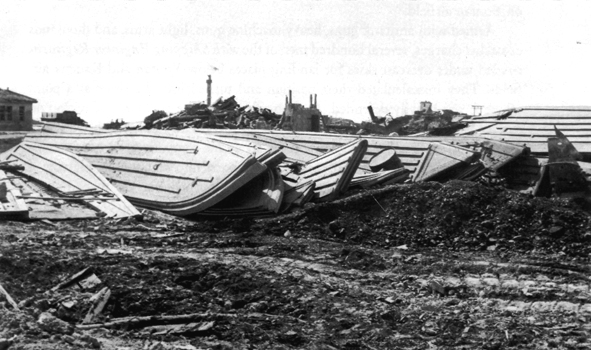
[457, 215]
[467, 278]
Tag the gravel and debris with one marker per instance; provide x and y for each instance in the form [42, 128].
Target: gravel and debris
[419, 266]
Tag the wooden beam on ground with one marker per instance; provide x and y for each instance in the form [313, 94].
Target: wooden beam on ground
[144, 321]
[74, 279]
[8, 297]
[99, 300]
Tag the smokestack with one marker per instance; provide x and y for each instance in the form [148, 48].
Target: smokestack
[315, 101]
[290, 97]
[373, 116]
[208, 81]
[311, 102]
[286, 100]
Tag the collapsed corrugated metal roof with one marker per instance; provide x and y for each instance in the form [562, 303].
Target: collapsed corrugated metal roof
[532, 126]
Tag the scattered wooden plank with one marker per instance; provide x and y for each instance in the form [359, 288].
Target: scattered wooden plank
[99, 300]
[72, 198]
[192, 328]
[74, 279]
[144, 321]
[10, 203]
[8, 297]
[165, 236]
[49, 212]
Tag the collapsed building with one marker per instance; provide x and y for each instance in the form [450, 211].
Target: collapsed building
[65, 117]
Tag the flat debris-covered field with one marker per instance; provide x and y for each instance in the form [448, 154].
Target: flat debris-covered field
[422, 266]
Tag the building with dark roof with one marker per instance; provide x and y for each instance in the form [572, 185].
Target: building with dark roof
[66, 117]
[16, 111]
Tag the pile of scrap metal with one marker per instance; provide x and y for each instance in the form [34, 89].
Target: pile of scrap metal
[222, 114]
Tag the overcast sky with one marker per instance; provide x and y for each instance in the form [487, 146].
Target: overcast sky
[123, 59]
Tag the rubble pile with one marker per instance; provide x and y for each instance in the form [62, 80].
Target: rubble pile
[222, 114]
[348, 275]
[424, 121]
[456, 215]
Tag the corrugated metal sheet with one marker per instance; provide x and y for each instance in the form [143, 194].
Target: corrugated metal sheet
[410, 150]
[532, 126]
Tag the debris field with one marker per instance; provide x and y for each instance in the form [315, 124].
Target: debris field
[262, 239]
[354, 274]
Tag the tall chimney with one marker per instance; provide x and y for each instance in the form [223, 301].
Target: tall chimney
[290, 97]
[311, 102]
[315, 101]
[208, 81]
[373, 116]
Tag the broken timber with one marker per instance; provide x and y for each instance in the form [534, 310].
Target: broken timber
[8, 298]
[144, 321]
[98, 302]
[11, 205]
[333, 171]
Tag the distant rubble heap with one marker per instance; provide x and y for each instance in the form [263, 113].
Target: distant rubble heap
[424, 121]
[228, 114]
[222, 114]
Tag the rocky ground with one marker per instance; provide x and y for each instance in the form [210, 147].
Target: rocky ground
[422, 266]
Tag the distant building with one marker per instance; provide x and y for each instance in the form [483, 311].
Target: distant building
[114, 125]
[425, 107]
[296, 117]
[16, 111]
[66, 117]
